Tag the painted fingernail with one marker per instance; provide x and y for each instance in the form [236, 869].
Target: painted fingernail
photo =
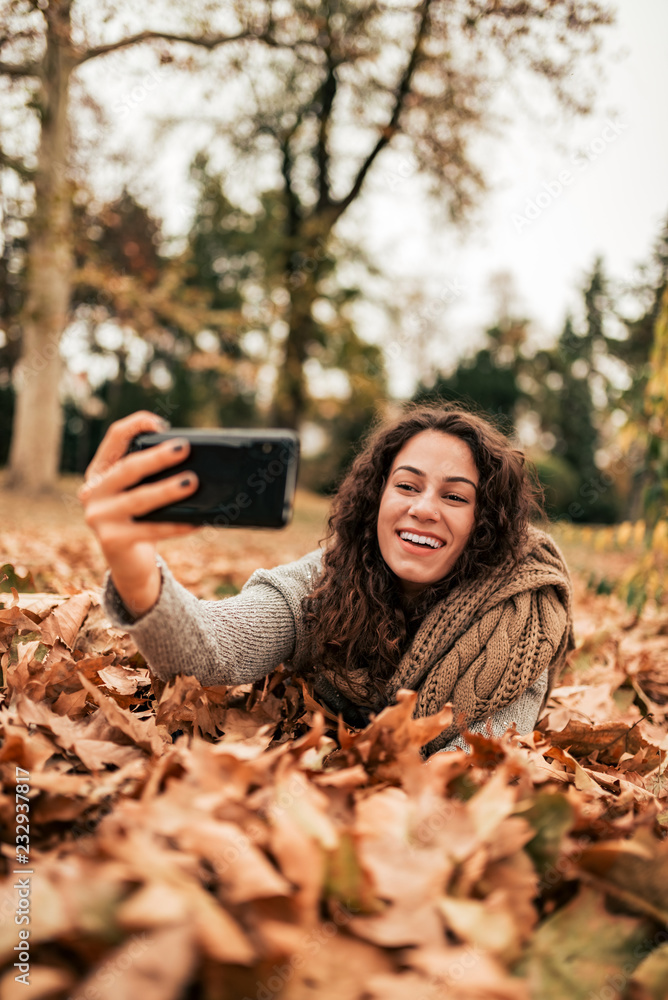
[178, 447]
[186, 482]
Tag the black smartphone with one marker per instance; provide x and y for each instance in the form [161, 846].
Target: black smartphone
[247, 478]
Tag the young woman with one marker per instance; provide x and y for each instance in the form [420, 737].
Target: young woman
[431, 578]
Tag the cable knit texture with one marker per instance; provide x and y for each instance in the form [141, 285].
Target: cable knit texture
[490, 640]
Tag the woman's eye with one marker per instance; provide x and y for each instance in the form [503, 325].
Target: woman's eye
[446, 496]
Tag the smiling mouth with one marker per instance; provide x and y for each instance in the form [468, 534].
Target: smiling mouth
[414, 542]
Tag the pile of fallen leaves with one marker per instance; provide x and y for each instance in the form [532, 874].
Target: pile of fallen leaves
[225, 843]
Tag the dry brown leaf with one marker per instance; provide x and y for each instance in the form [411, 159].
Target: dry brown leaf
[402, 926]
[27, 750]
[609, 741]
[217, 932]
[240, 843]
[15, 618]
[634, 870]
[91, 742]
[330, 966]
[582, 779]
[143, 732]
[155, 904]
[466, 973]
[148, 966]
[487, 924]
[65, 620]
[124, 680]
[45, 981]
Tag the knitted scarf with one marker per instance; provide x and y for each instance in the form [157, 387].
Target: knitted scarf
[483, 645]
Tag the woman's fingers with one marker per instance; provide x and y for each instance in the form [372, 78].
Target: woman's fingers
[156, 531]
[118, 539]
[120, 507]
[115, 442]
[131, 469]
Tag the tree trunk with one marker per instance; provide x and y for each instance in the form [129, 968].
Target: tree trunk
[290, 396]
[290, 393]
[37, 432]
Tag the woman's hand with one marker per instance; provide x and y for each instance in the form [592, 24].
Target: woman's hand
[128, 545]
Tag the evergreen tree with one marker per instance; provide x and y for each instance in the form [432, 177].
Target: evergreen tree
[569, 376]
[635, 352]
[490, 379]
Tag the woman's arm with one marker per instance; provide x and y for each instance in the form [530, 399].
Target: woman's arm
[112, 499]
[232, 641]
[219, 642]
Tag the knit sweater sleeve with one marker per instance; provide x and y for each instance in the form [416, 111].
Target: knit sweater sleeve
[231, 641]
[523, 711]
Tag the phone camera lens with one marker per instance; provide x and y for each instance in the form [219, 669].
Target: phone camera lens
[266, 447]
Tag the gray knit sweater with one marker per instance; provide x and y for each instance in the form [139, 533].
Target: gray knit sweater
[242, 638]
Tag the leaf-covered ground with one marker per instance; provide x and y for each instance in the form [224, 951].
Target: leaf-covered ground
[230, 843]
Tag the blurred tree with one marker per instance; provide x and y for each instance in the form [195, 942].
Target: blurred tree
[345, 415]
[426, 72]
[42, 44]
[572, 401]
[488, 380]
[12, 272]
[656, 415]
[422, 76]
[125, 289]
[647, 579]
[567, 405]
[634, 351]
[237, 258]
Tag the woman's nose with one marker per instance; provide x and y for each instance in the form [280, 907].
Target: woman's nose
[424, 506]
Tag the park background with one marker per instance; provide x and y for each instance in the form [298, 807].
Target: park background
[303, 214]
[231, 239]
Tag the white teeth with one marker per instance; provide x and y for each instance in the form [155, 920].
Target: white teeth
[421, 539]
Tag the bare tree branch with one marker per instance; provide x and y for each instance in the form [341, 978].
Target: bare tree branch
[294, 207]
[326, 97]
[207, 42]
[392, 127]
[19, 69]
[16, 36]
[27, 173]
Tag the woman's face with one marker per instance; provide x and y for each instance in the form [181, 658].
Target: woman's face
[430, 494]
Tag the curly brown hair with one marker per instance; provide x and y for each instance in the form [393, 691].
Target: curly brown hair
[357, 615]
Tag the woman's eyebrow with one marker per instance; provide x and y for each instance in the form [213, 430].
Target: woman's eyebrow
[446, 479]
